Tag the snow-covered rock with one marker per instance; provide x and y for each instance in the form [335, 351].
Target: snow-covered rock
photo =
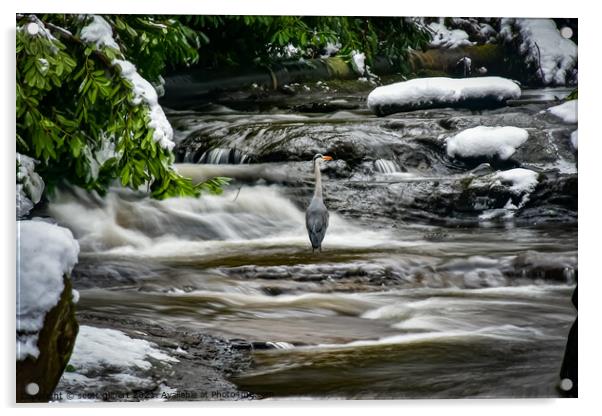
[45, 253]
[566, 111]
[485, 141]
[446, 38]
[520, 180]
[553, 57]
[30, 185]
[442, 92]
[513, 186]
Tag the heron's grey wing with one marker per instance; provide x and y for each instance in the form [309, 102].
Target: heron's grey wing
[316, 221]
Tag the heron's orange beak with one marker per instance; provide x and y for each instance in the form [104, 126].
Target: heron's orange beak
[326, 157]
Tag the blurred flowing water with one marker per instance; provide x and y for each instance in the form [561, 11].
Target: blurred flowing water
[415, 295]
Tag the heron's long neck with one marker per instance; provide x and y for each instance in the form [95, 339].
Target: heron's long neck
[318, 174]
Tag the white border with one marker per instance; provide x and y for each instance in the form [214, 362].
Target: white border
[590, 170]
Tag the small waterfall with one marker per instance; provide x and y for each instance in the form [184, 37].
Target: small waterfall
[222, 156]
[386, 166]
[257, 215]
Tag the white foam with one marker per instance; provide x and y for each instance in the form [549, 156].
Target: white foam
[257, 216]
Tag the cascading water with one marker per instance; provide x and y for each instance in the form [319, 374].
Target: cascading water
[386, 166]
[398, 304]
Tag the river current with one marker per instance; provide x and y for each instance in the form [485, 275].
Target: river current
[423, 289]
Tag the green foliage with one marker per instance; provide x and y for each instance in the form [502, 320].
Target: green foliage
[573, 95]
[240, 40]
[78, 115]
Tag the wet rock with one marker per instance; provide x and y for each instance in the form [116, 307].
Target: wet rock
[555, 189]
[534, 265]
[328, 106]
[55, 342]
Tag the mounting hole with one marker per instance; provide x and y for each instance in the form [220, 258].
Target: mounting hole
[566, 32]
[32, 389]
[33, 28]
[566, 384]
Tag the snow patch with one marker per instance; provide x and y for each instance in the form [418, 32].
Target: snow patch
[30, 185]
[445, 38]
[99, 32]
[108, 361]
[486, 141]
[574, 139]
[358, 62]
[145, 93]
[567, 111]
[440, 91]
[520, 180]
[98, 348]
[331, 49]
[544, 48]
[45, 252]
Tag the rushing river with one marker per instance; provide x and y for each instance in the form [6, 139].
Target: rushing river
[421, 290]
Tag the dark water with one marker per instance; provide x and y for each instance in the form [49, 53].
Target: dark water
[428, 286]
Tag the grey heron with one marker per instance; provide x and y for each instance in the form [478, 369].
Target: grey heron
[316, 216]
